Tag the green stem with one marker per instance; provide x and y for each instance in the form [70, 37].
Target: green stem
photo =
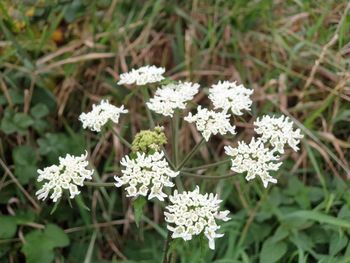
[99, 184]
[166, 248]
[219, 177]
[146, 96]
[176, 137]
[206, 166]
[125, 142]
[190, 154]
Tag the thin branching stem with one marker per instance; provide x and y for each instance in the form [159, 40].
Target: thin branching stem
[176, 137]
[99, 184]
[218, 177]
[206, 166]
[190, 154]
[146, 96]
[166, 248]
[125, 142]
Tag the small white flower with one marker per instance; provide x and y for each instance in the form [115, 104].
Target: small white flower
[169, 97]
[191, 213]
[254, 159]
[142, 76]
[230, 96]
[209, 122]
[146, 173]
[70, 173]
[100, 115]
[278, 132]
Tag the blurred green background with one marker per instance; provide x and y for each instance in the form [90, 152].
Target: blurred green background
[59, 57]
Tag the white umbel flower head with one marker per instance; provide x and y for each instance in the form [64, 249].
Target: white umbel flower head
[100, 115]
[278, 132]
[144, 174]
[172, 96]
[191, 213]
[230, 96]
[210, 122]
[254, 159]
[142, 76]
[70, 173]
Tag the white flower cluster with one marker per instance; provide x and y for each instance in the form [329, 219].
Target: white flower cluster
[144, 173]
[70, 173]
[209, 122]
[142, 76]
[230, 96]
[100, 115]
[191, 213]
[278, 132]
[255, 159]
[174, 95]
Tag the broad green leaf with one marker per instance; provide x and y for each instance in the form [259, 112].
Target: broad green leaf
[40, 110]
[8, 227]
[272, 251]
[39, 244]
[318, 217]
[338, 241]
[25, 163]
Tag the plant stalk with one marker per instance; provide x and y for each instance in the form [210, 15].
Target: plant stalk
[99, 184]
[190, 154]
[125, 142]
[145, 94]
[166, 248]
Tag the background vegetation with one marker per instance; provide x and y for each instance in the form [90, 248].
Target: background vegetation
[59, 57]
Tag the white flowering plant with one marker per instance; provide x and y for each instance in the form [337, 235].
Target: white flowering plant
[154, 169]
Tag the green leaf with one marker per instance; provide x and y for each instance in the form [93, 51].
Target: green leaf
[40, 110]
[24, 155]
[337, 243]
[272, 251]
[25, 163]
[22, 120]
[7, 126]
[15, 122]
[138, 204]
[319, 217]
[8, 227]
[40, 244]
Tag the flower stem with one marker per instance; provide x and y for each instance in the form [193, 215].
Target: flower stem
[176, 137]
[219, 177]
[190, 154]
[206, 166]
[145, 94]
[125, 142]
[166, 248]
[99, 184]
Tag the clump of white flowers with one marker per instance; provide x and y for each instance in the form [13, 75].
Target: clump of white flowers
[191, 213]
[142, 76]
[146, 173]
[210, 122]
[230, 96]
[254, 159]
[278, 132]
[70, 173]
[172, 96]
[100, 115]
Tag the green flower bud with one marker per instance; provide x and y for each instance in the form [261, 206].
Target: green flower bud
[149, 141]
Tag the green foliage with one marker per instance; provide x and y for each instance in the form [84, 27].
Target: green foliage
[8, 227]
[25, 161]
[40, 244]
